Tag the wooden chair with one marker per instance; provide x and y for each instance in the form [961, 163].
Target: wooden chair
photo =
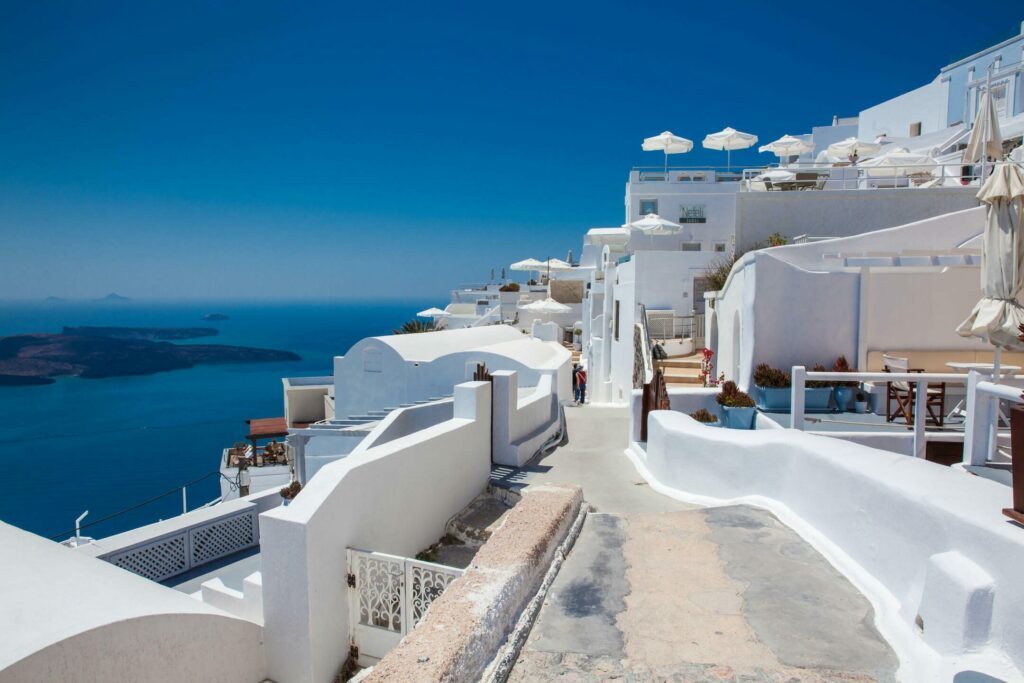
[903, 394]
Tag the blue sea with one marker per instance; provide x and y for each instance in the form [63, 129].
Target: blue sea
[104, 445]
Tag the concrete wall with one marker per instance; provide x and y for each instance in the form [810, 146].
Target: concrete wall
[70, 617]
[718, 200]
[839, 213]
[358, 387]
[522, 424]
[393, 498]
[951, 558]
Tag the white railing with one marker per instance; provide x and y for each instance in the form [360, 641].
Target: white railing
[920, 380]
[812, 176]
[665, 327]
[981, 428]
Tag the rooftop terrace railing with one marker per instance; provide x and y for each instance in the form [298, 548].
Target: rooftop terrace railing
[919, 380]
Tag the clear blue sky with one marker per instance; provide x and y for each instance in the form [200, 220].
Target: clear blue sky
[324, 150]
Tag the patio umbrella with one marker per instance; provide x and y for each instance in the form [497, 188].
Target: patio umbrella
[729, 139]
[899, 162]
[527, 264]
[986, 139]
[653, 222]
[432, 313]
[667, 143]
[548, 305]
[998, 315]
[853, 147]
[787, 146]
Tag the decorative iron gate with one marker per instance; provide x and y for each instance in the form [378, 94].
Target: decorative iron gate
[389, 596]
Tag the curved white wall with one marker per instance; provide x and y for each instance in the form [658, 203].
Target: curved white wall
[917, 538]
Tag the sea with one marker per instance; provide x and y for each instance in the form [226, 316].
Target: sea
[121, 448]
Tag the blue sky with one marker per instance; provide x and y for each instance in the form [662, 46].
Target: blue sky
[327, 150]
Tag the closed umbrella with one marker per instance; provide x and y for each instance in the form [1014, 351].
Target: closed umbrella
[986, 140]
[729, 139]
[787, 146]
[852, 147]
[667, 143]
[998, 315]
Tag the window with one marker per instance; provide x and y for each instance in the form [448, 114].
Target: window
[691, 246]
[915, 130]
[999, 99]
[615, 318]
[692, 213]
[720, 246]
[648, 206]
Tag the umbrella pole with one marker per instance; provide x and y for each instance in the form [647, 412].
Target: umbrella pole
[666, 163]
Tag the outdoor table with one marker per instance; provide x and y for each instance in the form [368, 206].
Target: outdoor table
[987, 369]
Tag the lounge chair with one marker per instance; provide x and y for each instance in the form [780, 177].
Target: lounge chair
[903, 394]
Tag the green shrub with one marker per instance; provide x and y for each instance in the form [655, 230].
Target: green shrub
[703, 415]
[842, 365]
[730, 396]
[767, 377]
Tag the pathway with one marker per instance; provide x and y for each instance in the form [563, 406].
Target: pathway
[655, 589]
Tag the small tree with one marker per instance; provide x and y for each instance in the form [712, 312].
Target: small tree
[414, 327]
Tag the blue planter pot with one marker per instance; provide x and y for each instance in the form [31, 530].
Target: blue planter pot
[738, 418]
[844, 397]
[818, 399]
[773, 399]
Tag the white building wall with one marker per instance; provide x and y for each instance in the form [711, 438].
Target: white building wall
[926, 105]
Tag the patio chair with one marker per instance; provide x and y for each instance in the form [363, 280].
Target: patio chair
[806, 181]
[903, 394]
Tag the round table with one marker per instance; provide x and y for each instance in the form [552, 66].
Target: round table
[985, 369]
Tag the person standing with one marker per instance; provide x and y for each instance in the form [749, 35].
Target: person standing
[581, 382]
[575, 384]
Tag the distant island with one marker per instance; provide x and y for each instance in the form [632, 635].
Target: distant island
[216, 316]
[38, 358]
[148, 333]
[114, 296]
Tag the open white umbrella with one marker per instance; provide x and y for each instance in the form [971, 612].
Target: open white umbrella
[527, 264]
[667, 143]
[548, 305]
[787, 146]
[853, 147]
[729, 139]
[998, 314]
[899, 162]
[653, 222]
[432, 313]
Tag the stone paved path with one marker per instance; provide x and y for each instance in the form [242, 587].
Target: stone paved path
[658, 590]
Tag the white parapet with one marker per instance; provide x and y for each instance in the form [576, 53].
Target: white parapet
[395, 497]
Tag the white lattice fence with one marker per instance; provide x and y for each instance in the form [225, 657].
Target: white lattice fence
[175, 553]
[390, 595]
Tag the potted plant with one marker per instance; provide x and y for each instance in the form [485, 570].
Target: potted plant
[290, 491]
[706, 417]
[860, 402]
[737, 407]
[818, 393]
[844, 390]
[773, 388]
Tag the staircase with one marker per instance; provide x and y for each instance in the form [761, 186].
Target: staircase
[575, 354]
[684, 370]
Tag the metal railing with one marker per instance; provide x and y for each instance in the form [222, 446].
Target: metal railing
[811, 176]
[920, 380]
[661, 328]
